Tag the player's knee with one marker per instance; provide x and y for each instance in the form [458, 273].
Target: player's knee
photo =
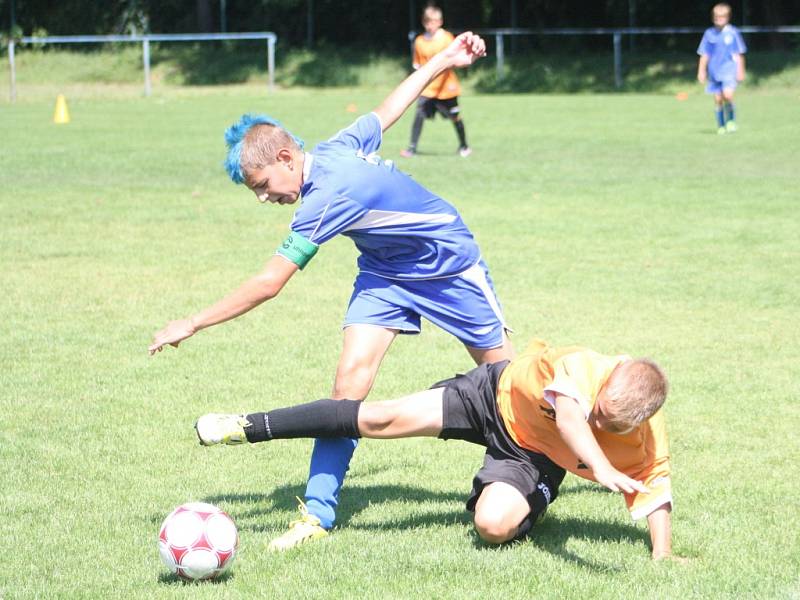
[353, 380]
[494, 528]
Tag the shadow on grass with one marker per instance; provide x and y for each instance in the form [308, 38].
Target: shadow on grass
[230, 62]
[355, 499]
[174, 580]
[212, 63]
[551, 535]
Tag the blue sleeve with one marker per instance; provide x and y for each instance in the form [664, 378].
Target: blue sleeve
[364, 134]
[703, 47]
[741, 48]
[319, 218]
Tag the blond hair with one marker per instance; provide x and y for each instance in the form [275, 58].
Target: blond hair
[722, 6]
[261, 146]
[635, 391]
[249, 149]
[431, 13]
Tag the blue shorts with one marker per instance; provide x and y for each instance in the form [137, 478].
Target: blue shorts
[464, 305]
[715, 86]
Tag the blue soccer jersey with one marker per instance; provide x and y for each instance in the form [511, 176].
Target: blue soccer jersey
[720, 46]
[402, 230]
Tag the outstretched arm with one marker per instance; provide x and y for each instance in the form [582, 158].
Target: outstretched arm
[577, 434]
[463, 51]
[250, 294]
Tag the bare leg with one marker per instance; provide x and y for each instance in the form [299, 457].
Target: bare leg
[417, 415]
[491, 355]
[362, 352]
[499, 511]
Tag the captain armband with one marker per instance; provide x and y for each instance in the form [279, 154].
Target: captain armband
[297, 249]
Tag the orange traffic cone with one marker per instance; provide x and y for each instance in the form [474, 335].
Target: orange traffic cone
[61, 115]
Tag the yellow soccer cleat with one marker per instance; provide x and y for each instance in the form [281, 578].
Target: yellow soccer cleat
[213, 429]
[305, 529]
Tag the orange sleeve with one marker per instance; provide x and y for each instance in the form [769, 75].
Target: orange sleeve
[655, 473]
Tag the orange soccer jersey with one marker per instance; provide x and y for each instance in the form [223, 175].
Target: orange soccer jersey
[446, 85]
[526, 398]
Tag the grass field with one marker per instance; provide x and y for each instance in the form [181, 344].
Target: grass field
[618, 222]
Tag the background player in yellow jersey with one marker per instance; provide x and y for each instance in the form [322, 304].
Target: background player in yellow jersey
[442, 93]
[548, 411]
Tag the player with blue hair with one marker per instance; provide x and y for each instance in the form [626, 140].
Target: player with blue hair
[234, 138]
[417, 258]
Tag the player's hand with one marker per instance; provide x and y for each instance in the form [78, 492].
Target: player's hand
[740, 76]
[173, 334]
[465, 49]
[618, 482]
[701, 77]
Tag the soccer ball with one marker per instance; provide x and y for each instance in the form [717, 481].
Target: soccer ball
[198, 541]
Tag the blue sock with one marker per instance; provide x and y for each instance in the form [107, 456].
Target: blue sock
[329, 463]
[730, 110]
[720, 117]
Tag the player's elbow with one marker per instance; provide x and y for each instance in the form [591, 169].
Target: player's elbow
[267, 286]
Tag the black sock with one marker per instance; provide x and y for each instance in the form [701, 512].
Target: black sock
[320, 419]
[462, 134]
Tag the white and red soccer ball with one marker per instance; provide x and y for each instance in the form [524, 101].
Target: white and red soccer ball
[198, 541]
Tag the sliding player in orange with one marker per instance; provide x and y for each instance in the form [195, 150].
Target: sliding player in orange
[548, 411]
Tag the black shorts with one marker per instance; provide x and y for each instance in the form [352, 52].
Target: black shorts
[470, 413]
[430, 106]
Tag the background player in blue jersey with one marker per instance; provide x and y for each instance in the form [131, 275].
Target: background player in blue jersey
[721, 64]
[417, 257]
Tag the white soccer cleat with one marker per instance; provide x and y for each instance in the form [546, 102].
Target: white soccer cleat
[213, 429]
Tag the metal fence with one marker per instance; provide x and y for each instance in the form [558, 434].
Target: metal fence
[614, 33]
[145, 41]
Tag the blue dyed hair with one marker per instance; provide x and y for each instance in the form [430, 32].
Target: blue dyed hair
[234, 138]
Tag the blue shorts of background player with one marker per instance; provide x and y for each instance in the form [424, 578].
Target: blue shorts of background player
[721, 65]
[720, 86]
[417, 257]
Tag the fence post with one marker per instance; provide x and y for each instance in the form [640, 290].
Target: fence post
[271, 63]
[498, 43]
[618, 59]
[146, 59]
[12, 71]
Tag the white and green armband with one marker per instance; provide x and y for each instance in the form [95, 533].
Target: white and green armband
[297, 249]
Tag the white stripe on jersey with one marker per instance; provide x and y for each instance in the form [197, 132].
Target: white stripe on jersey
[316, 227]
[387, 218]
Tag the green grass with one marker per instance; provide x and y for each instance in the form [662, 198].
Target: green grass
[117, 69]
[619, 222]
